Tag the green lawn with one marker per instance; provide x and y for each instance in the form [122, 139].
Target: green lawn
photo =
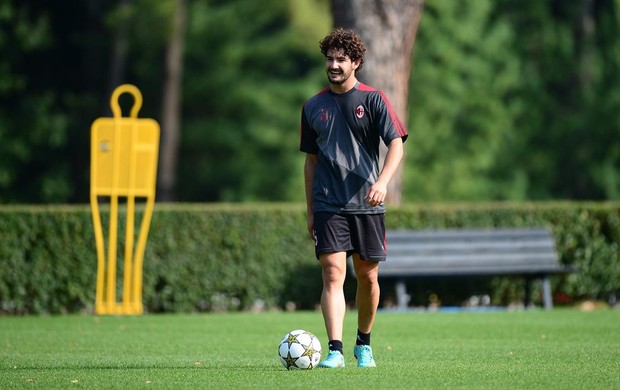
[561, 349]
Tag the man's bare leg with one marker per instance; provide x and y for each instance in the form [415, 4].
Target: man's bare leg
[333, 304]
[367, 293]
[367, 300]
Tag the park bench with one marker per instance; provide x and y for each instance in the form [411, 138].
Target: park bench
[528, 252]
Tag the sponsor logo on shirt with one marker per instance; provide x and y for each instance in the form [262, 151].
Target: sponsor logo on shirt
[324, 114]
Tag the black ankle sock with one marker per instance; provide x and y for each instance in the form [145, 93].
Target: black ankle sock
[362, 338]
[335, 345]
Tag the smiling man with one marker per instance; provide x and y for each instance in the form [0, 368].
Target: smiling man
[341, 129]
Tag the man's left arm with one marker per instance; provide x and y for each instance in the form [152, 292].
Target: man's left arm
[377, 192]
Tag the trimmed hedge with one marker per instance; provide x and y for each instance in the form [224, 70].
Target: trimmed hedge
[210, 257]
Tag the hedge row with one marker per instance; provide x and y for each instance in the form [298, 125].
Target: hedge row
[209, 257]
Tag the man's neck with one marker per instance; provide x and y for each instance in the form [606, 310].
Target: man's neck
[345, 87]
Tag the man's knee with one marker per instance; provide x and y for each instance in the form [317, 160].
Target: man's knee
[367, 273]
[334, 267]
[367, 279]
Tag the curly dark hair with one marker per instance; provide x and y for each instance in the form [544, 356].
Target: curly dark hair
[347, 40]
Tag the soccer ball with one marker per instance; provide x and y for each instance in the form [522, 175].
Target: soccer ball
[299, 350]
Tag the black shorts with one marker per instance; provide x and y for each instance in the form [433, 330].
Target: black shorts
[351, 233]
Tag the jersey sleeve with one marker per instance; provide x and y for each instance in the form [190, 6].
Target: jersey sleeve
[308, 142]
[390, 124]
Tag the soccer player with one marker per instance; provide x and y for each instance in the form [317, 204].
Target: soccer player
[341, 128]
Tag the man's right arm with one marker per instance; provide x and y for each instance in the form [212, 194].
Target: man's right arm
[309, 168]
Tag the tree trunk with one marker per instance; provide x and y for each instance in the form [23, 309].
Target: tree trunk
[585, 42]
[171, 105]
[388, 27]
[118, 59]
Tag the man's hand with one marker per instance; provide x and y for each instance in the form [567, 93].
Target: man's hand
[376, 194]
[310, 219]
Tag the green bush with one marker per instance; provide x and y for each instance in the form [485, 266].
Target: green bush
[211, 257]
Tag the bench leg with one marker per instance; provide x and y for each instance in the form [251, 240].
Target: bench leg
[402, 298]
[546, 290]
[527, 299]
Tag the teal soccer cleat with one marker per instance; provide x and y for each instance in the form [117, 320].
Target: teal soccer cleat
[333, 360]
[363, 354]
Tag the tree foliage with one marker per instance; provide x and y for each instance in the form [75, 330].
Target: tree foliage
[461, 110]
[571, 56]
[248, 73]
[35, 127]
[516, 100]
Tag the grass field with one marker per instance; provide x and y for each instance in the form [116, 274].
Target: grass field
[561, 349]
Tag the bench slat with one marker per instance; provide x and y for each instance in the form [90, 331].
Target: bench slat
[411, 249]
[469, 265]
[471, 271]
[448, 259]
[457, 234]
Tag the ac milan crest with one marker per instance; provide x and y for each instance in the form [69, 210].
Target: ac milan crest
[359, 111]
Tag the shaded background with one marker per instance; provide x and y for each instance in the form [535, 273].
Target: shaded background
[509, 100]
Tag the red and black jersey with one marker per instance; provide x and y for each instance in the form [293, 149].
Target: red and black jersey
[344, 130]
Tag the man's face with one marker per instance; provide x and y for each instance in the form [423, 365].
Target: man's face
[339, 66]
